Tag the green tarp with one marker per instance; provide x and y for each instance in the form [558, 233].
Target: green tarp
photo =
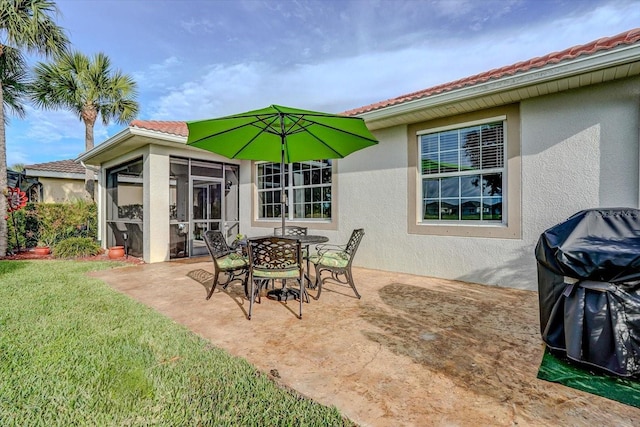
[623, 390]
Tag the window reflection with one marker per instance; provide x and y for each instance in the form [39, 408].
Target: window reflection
[466, 172]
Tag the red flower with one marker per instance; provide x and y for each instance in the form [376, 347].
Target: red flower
[16, 199]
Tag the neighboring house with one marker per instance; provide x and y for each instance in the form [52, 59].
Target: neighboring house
[466, 177]
[60, 181]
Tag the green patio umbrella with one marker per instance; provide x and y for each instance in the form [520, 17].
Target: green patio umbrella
[283, 134]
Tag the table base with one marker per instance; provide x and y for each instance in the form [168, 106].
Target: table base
[283, 294]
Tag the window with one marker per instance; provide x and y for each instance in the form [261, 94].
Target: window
[179, 190]
[203, 195]
[307, 186]
[124, 207]
[124, 192]
[463, 172]
[464, 176]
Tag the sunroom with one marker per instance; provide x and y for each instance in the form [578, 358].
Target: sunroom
[157, 196]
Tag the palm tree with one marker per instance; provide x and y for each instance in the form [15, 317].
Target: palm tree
[29, 26]
[13, 81]
[89, 88]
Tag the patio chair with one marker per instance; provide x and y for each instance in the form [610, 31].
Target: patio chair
[337, 260]
[225, 260]
[290, 230]
[272, 258]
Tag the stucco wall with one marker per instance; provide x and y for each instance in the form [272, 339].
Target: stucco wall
[579, 150]
[57, 190]
[155, 197]
[156, 201]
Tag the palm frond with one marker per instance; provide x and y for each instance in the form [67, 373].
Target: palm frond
[30, 25]
[14, 81]
[86, 86]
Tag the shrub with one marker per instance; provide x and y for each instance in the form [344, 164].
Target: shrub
[27, 228]
[53, 222]
[76, 247]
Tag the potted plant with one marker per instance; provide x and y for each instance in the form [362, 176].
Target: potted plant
[45, 241]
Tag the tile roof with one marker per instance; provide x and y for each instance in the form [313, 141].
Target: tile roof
[606, 43]
[61, 166]
[170, 127]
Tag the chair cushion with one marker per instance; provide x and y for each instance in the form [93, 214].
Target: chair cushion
[231, 261]
[331, 259]
[273, 274]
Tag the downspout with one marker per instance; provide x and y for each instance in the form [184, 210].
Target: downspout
[99, 203]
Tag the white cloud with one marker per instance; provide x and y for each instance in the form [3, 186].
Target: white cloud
[339, 84]
[56, 135]
[15, 157]
[329, 56]
[473, 11]
[198, 26]
[158, 75]
[49, 127]
[219, 90]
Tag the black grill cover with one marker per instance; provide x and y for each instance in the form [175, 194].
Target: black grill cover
[589, 288]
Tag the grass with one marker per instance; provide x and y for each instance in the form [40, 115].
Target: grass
[75, 352]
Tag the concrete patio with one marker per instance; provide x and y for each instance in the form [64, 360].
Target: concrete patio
[414, 351]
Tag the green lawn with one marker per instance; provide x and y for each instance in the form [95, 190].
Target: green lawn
[75, 352]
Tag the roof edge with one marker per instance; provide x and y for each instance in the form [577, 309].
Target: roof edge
[549, 72]
[106, 145]
[122, 136]
[52, 174]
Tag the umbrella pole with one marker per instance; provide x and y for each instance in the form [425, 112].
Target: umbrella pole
[283, 196]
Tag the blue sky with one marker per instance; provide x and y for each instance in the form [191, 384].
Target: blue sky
[208, 58]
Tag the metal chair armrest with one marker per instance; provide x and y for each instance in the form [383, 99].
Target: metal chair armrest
[321, 249]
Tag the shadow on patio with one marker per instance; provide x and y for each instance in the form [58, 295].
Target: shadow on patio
[413, 351]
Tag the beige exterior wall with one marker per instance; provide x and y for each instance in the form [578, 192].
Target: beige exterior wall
[156, 205]
[578, 150]
[61, 190]
[567, 151]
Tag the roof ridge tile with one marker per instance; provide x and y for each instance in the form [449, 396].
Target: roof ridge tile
[173, 127]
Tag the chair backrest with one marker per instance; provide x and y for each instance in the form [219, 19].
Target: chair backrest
[354, 242]
[275, 254]
[216, 243]
[118, 232]
[290, 230]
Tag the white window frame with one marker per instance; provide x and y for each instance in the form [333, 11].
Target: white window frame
[503, 170]
[513, 183]
[290, 191]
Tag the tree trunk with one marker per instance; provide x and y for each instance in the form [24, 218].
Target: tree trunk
[3, 180]
[89, 116]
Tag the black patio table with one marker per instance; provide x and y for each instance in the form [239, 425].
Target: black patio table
[285, 293]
